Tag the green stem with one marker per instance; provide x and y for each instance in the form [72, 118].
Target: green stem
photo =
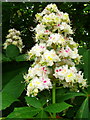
[54, 96]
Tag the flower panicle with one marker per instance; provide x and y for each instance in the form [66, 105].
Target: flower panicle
[55, 54]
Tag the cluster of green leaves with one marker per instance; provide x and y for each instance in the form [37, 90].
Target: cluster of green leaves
[15, 104]
[36, 107]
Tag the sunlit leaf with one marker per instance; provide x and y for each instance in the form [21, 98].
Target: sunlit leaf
[57, 107]
[23, 112]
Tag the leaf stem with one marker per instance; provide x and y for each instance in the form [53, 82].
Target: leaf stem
[54, 96]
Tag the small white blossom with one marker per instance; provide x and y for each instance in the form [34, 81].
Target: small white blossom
[38, 84]
[69, 75]
[56, 39]
[37, 70]
[37, 50]
[13, 38]
[66, 28]
[50, 57]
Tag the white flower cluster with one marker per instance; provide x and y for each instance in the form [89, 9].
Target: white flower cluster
[55, 54]
[69, 77]
[37, 79]
[37, 84]
[14, 38]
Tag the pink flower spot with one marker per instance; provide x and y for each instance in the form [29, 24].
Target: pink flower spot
[47, 31]
[41, 46]
[60, 51]
[59, 14]
[56, 70]
[45, 81]
[45, 70]
[50, 37]
[42, 78]
[60, 69]
[66, 50]
[58, 24]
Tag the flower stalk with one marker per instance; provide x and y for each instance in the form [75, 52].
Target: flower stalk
[54, 97]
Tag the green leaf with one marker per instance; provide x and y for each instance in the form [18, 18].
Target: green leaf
[43, 100]
[66, 96]
[83, 112]
[23, 112]
[12, 51]
[5, 58]
[21, 57]
[86, 59]
[86, 66]
[12, 91]
[60, 90]
[33, 102]
[42, 114]
[9, 73]
[57, 107]
[89, 115]
[44, 96]
[81, 50]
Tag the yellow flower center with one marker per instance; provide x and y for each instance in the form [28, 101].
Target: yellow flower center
[30, 84]
[70, 75]
[66, 16]
[37, 82]
[49, 58]
[62, 39]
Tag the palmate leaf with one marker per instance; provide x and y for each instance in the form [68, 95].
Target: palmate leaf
[83, 112]
[36, 103]
[57, 107]
[44, 100]
[33, 102]
[23, 112]
[42, 114]
[44, 96]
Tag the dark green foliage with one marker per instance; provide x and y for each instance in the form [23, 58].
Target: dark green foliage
[21, 58]
[13, 83]
[84, 110]
[12, 51]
